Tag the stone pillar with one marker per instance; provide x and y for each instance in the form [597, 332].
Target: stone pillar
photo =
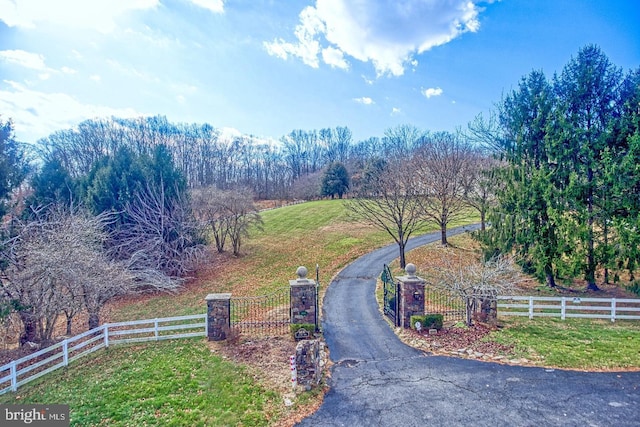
[218, 316]
[411, 295]
[303, 299]
[309, 362]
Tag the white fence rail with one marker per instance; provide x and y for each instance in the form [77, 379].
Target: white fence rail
[21, 371]
[565, 307]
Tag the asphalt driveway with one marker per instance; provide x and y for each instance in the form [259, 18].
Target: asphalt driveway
[379, 381]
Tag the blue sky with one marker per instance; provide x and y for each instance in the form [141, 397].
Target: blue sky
[266, 67]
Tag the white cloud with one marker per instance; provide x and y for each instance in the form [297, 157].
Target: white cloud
[364, 100]
[23, 58]
[387, 34]
[215, 6]
[367, 80]
[99, 15]
[68, 70]
[334, 57]
[395, 111]
[96, 78]
[307, 48]
[432, 91]
[38, 114]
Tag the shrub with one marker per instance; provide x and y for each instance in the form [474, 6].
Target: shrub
[635, 288]
[428, 321]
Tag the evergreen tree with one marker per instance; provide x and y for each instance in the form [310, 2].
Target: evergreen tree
[527, 218]
[13, 163]
[52, 184]
[588, 91]
[335, 180]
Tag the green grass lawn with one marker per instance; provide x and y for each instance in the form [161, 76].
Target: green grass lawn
[171, 383]
[587, 344]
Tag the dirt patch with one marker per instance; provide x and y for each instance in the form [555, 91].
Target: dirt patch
[268, 359]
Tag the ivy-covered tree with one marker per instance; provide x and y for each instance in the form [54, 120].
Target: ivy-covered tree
[335, 180]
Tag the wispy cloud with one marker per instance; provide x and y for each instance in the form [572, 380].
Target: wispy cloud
[307, 47]
[432, 91]
[99, 15]
[23, 58]
[386, 34]
[37, 114]
[364, 100]
[395, 111]
[215, 6]
[334, 57]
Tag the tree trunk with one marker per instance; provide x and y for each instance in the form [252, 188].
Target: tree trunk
[483, 220]
[590, 274]
[30, 333]
[403, 261]
[94, 320]
[548, 272]
[443, 234]
[69, 321]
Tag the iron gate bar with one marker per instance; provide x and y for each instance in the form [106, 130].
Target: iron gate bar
[390, 296]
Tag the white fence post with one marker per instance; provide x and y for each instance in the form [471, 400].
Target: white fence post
[155, 329]
[14, 376]
[563, 308]
[65, 352]
[105, 328]
[613, 309]
[530, 307]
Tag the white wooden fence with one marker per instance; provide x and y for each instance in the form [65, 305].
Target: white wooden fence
[21, 371]
[564, 307]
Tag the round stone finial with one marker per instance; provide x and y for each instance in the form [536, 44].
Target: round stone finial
[302, 272]
[410, 269]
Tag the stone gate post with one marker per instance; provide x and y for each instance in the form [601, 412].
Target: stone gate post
[303, 299]
[411, 295]
[218, 316]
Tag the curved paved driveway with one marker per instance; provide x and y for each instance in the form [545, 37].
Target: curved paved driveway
[379, 381]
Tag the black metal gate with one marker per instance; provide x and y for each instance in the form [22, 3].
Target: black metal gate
[390, 296]
[265, 315]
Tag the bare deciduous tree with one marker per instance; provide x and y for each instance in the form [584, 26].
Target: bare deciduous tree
[228, 214]
[159, 236]
[482, 184]
[444, 162]
[56, 263]
[389, 197]
[474, 281]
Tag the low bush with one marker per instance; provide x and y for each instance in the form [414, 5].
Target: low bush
[634, 287]
[428, 321]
